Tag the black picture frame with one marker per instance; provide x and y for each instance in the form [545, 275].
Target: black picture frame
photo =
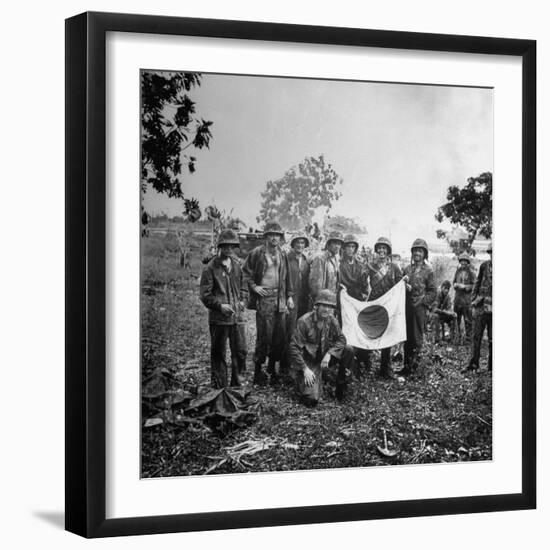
[86, 264]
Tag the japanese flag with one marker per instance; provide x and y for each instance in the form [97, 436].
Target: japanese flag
[377, 324]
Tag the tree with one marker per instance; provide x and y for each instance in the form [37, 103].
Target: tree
[470, 208]
[294, 198]
[170, 126]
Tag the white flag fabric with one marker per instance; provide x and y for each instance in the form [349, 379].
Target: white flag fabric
[377, 324]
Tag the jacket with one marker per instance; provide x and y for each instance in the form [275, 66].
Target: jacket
[354, 277]
[442, 303]
[382, 283]
[465, 276]
[219, 286]
[319, 274]
[482, 293]
[300, 280]
[423, 287]
[254, 269]
[315, 341]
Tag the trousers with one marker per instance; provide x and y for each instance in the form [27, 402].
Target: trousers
[482, 320]
[219, 335]
[415, 317]
[464, 312]
[337, 373]
[270, 331]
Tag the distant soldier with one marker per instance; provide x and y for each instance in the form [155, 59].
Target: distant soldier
[420, 295]
[266, 271]
[318, 347]
[383, 276]
[324, 273]
[443, 314]
[482, 303]
[463, 283]
[224, 292]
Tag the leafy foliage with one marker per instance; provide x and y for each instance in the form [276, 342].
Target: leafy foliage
[294, 198]
[170, 125]
[469, 207]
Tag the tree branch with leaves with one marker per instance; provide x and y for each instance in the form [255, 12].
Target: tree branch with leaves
[294, 198]
[469, 207]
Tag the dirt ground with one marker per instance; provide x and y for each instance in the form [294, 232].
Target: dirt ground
[440, 415]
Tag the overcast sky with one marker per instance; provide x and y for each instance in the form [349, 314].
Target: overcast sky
[396, 146]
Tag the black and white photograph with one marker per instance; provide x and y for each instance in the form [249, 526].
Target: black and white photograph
[316, 274]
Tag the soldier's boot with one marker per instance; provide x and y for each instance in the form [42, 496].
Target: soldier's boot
[386, 371]
[340, 391]
[272, 372]
[260, 378]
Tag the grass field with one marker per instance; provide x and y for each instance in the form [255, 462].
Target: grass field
[440, 415]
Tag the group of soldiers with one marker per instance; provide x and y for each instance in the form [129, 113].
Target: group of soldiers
[298, 322]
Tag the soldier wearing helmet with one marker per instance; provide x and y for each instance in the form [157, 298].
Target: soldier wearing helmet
[482, 302]
[267, 274]
[224, 292]
[324, 272]
[298, 266]
[318, 350]
[463, 283]
[383, 276]
[353, 278]
[421, 292]
[353, 275]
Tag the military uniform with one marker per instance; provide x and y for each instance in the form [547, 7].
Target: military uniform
[324, 273]
[298, 267]
[382, 278]
[463, 298]
[418, 301]
[444, 316]
[223, 283]
[482, 302]
[271, 310]
[312, 339]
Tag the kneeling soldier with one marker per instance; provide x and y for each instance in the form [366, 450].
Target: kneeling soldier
[223, 291]
[444, 315]
[319, 344]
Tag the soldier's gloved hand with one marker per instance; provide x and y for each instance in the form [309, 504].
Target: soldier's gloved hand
[309, 377]
[227, 309]
[324, 362]
[290, 303]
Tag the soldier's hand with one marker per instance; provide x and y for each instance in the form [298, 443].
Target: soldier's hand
[325, 361]
[227, 309]
[408, 287]
[406, 278]
[290, 303]
[260, 290]
[309, 377]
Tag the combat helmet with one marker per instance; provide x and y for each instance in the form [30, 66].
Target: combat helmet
[326, 297]
[351, 239]
[335, 236]
[420, 243]
[384, 241]
[300, 236]
[274, 227]
[464, 256]
[228, 236]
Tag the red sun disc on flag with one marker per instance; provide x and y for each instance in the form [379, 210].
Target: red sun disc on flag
[373, 321]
